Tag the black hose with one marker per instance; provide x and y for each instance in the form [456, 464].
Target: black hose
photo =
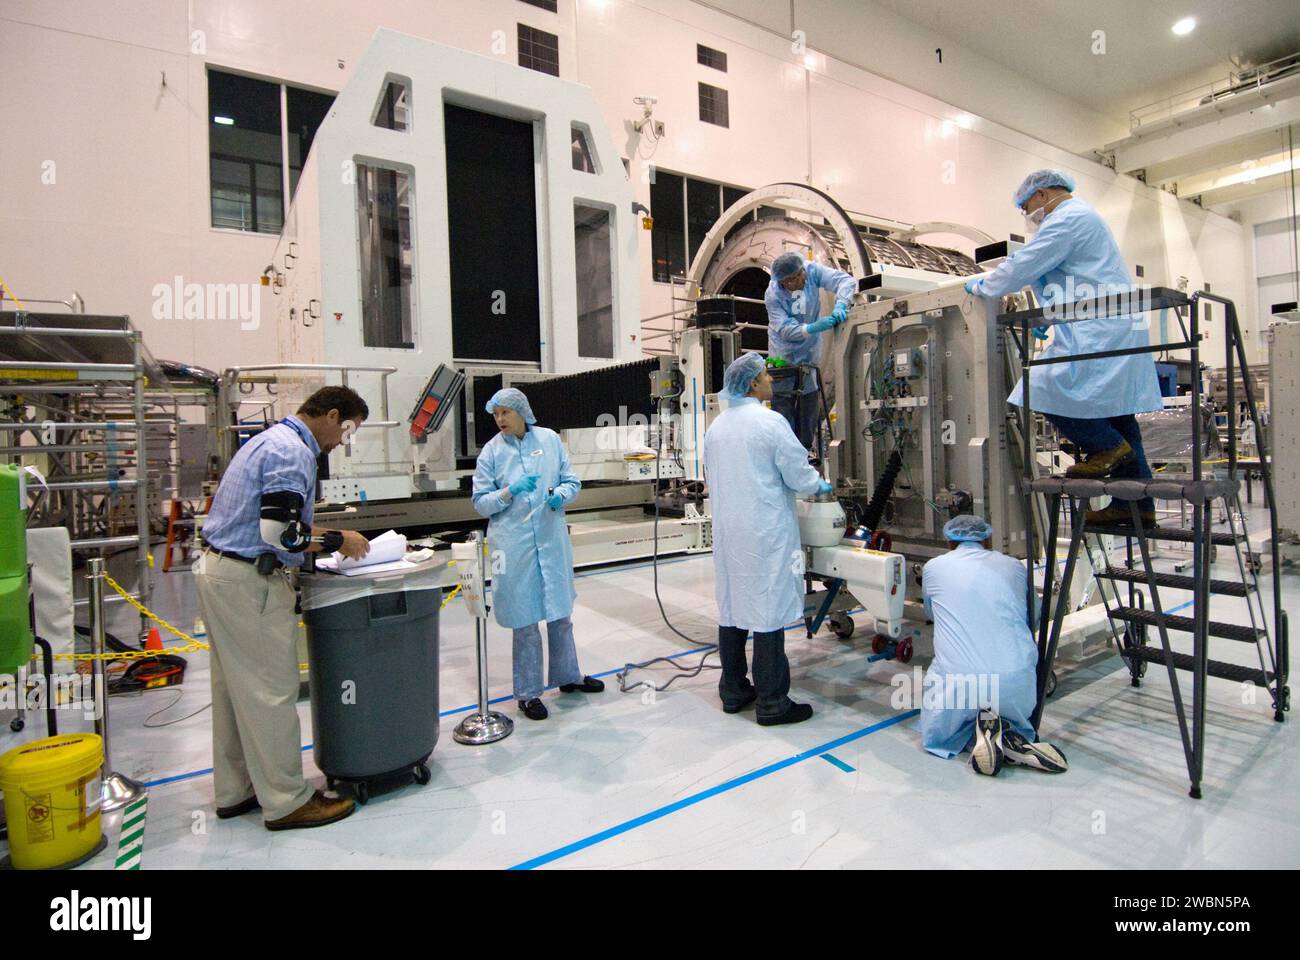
[884, 490]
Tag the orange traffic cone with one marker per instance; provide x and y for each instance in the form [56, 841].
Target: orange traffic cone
[154, 640]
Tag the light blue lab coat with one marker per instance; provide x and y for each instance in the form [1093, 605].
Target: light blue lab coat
[976, 598]
[531, 563]
[788, 311]
[754, 467]
[1074, 257]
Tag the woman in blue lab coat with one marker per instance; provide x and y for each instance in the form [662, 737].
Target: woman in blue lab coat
[522, 481]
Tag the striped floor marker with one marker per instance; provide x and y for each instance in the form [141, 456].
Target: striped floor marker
[130, 845]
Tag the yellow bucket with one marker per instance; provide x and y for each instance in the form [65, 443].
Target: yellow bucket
[52, 795]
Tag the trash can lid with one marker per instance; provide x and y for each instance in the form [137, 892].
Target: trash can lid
[330, 589]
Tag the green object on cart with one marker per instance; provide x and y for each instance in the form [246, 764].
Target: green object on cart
[776, 362]
[15, 626]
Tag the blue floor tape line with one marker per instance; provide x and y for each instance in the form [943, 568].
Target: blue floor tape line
[837, 762]
[703, 795]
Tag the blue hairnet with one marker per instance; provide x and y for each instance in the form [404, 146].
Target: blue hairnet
[741, 374]
[1039, 180]
[967, 528]
[786, 266]
[512, 399]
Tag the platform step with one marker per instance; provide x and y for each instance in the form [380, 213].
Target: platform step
[1229, 588]
[1227, 631]
[1214, 668]
[1171, 533]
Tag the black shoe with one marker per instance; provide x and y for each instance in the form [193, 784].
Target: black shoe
[588, 685]
[239, 809]
[987, 755]
[737, 707]
[798, 713]
[1040, 756]
[533, 709]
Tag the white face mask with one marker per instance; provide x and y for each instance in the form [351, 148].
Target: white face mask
[1035, 220]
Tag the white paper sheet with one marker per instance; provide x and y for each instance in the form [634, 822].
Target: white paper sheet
[386, 549]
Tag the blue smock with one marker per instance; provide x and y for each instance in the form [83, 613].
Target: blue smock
[976, 598]
[754, 467]
[531, 563]
[1074, 257]
[789, 310]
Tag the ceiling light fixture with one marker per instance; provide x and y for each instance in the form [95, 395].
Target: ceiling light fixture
[224, 121]
[1184, 26]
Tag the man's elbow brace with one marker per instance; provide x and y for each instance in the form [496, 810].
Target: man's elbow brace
[282, 524]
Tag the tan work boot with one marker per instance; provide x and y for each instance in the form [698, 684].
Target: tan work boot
[1102, 464]
[316, 812]
[1118, 516]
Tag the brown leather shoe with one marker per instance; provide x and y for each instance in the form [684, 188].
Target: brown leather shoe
[316, 812]
[1101, 464]
[239, 809]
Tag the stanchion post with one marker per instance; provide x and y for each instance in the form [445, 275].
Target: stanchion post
[118, 790]
[484, 726]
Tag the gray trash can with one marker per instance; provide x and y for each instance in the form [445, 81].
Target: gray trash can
[373, 664]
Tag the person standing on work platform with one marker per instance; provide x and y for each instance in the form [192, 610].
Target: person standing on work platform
[521, 483]
[1091, 402]
[254, 536]
[794, 332]
[754, 467]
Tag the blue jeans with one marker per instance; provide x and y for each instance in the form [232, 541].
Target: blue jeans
[1094, 436]
[799, 409]
[563, 657]
[771, 670]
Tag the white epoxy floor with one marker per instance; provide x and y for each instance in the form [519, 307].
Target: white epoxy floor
[621, 780]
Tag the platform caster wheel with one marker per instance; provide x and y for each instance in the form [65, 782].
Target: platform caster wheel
[363, 793]
[16, 724]
[903, 652]
[421, 774]
[842, 625]
[878, 643]
[1051, 684]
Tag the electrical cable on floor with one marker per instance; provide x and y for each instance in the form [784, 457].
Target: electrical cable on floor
[623, 685]
[168, 723]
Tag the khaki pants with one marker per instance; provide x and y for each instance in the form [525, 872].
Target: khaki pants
[256, 737]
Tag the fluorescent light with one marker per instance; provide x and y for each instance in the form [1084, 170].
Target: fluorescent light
[224, 121]
[1185, 26]
[810, 62]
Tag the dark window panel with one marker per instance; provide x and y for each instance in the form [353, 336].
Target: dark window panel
[668, 236]
[307, 110]
[702, 211]
[245, 153]
[539, 50]
[544, 4]
[710, 57]
[713, 105]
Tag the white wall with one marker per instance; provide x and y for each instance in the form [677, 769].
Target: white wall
[80, 86]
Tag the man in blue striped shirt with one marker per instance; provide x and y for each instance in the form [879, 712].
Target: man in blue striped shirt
[257, 531]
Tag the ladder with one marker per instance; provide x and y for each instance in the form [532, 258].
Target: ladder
[1126, 608]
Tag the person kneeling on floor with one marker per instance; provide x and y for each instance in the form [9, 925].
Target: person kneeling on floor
[985, 667]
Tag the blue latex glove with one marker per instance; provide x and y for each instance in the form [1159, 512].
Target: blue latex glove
[824, 487]
[525, 484]
[817, 326]
[555, 501]
[970, 285]
[840, 313]
[1040, 333]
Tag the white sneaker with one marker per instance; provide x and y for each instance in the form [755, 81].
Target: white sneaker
[1041, 756]
[986, 756]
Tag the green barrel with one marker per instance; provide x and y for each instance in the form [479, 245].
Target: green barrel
[15, 627]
